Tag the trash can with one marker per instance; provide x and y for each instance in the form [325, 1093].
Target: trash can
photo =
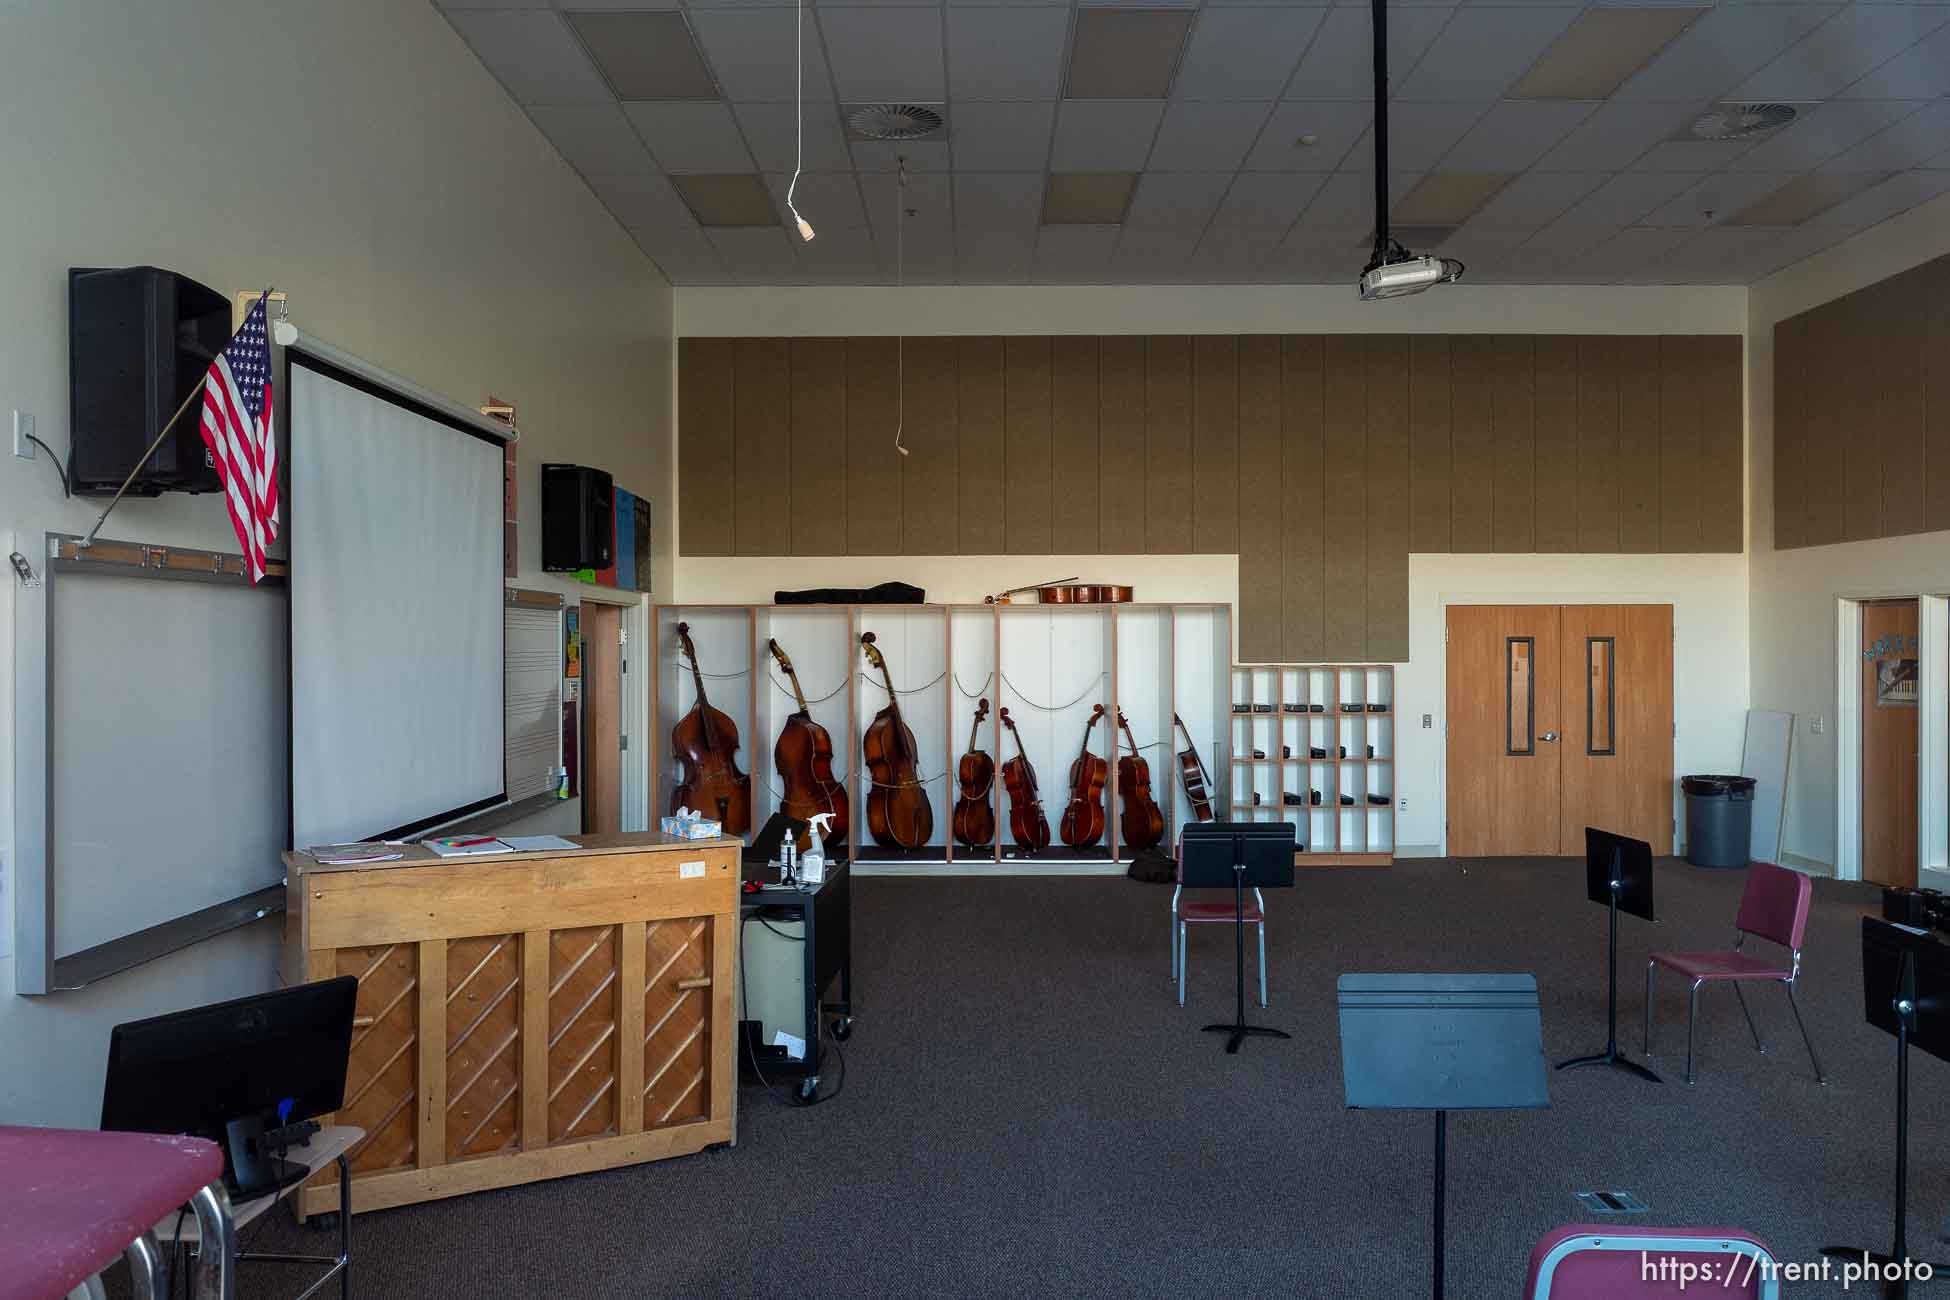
[1719, 819]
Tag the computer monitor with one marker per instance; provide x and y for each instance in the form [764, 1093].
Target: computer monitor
[1609, 857]
[232, 1070]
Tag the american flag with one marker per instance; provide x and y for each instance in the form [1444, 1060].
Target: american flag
[237, 430]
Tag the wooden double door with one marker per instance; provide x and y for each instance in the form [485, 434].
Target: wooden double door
[1560, 717]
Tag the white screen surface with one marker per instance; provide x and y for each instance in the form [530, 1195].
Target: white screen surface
[394, 519]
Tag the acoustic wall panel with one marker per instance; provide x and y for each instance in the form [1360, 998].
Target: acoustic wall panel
[1935, 292]
[1386, 517]
[1678, 446]
[1167, 444]
[1597, 446]
[1790, 431]
[762, 457]
[819, 446]
[931, 469]
[1120, 437]
[704, 441]
[1215, 444]
[1897, 320]
[1259, 501]
[1430, 436]
[1860, 457]
[873, 504]
[1513, 415]
[980, 429]
[1555, 456]
[1303, 531]
[1344, 551]
[1638, 445]
[1025, 446]
[1472, 445]
[1076, 461]
[1723, 467]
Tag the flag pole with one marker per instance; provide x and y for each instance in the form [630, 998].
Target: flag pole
[89, 540]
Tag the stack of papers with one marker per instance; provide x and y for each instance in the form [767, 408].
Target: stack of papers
[466, 846]
[365, 851]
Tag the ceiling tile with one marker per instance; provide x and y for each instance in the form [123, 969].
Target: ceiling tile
[1513, 135]
[1334, 128]
[1821, 132]
[1177, 198]
[1347, 199]
[772, 131]
[647, 54]
[1104, 135]
[888, 155]
[1006, 53]
[1561, 241]
[1206, 136]
[1847, 47]
[885, 53]
[1624, 253]
[642, 202]
[1913, 140]
[1603, 47]
[1119, 53]
[1625, 198]
[1001, 137]
[1066, 249]
[1244, 53]
[1087, 198]
[495, 4]
[1267, 199]
[995, 255]
[1533, 199]
[1237, 247]
[1324, 253]
[1805, 196]
[1154, 248]
[684, 256]
[1482, 51]
[829, 200]
[1920, 72]
[1722, 49]
[840, 252]
[691, 137]
[1805, 241]
[585, 4]
[1721, 196]
[736, 199]
[998, 201]
[1446, 198]
[594, 138]
[1899, 193]
[756, 255]
[1418, 134]
[752, 51]
[930, 200]
[1714, 253]
[534, 54]
[1615, 136]
[1340, 62]
[1692, 155]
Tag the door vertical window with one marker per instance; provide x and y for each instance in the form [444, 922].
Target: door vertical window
[1520, 695]
[1600, 697]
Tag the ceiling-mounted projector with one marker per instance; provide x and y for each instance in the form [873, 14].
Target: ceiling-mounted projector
[1407, 275]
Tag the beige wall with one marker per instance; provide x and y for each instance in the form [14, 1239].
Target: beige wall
[356, 155]
[1794, 594]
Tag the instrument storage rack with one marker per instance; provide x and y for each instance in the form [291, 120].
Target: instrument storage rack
[1347, 713]
[1048, 664]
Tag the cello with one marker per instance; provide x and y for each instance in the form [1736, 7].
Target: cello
[1191, 770]
[899, 815]
[975, 809]
[706, 742]
[1083, 817]
[1140, 822]
[1026, 820]
[804, 760]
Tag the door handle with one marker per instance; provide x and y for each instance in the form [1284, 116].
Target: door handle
[1550, 736]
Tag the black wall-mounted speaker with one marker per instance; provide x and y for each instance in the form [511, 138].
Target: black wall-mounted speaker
[578, 518]
[139, 339]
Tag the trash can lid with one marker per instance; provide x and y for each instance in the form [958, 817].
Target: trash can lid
[1706, 784]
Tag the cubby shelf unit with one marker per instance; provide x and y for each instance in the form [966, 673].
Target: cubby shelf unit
[1049, 665]
[1324, 731]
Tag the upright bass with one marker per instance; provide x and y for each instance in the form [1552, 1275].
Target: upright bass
[804, 759]
[899, 815]
[706, 742]
[1083, 816]
[975, 809]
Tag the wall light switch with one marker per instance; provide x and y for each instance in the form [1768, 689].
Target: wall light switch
[1816, 725]
[1427, 721]
[1403, 802]
[23, 435]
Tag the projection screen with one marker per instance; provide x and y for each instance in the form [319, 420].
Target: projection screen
[394, 517]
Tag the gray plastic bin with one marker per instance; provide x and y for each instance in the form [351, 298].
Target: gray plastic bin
[1719, 820]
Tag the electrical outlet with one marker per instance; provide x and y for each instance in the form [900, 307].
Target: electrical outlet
[1402, 803]
[23, 435]
[1427, 720]
[1816, 725]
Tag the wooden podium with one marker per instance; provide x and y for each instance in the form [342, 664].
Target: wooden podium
[524, 1016]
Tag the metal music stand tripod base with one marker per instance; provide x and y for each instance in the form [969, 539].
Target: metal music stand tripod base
[1611, 1055]
[1239, 1030]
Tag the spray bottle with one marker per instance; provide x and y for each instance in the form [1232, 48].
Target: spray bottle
[812, 863]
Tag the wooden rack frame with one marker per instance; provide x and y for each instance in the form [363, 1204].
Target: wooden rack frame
[1001, 854]
[1333, 687]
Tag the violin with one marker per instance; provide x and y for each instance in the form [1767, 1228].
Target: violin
[975, 810]
[1083, 818]
[1026, 820]
[1191, 770]
[803, 758]
[899, 815]
[1140, 823]
[706, 742]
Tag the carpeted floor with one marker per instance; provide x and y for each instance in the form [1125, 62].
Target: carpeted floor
[1027, 1112]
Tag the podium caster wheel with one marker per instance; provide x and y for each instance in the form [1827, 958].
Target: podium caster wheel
[327, 1222]
[842, 1028]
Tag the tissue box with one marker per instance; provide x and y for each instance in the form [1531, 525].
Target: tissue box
[692, 828]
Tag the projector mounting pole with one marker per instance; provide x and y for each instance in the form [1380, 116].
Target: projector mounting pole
[1382, 239]
[135, 469]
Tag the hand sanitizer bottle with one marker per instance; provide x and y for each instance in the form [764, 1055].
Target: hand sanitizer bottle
[812, 863]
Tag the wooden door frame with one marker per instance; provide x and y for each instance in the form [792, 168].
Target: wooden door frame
[1445, 599]
[1933, 732]
[619, 611]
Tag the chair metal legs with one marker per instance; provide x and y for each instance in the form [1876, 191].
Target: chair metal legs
[1758, 1045]
[1262, 965]
[1649, 968]
[1181, 963]
[1178, 960]
[1692, 1018]
[1796, 1008]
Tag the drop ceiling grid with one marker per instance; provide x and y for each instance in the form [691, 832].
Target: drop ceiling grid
[1873, 82]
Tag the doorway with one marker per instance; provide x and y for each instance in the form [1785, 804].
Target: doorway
[602, 718]
[1888, 693]
[1559, 717]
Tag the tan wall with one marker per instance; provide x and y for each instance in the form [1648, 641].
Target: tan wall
[1322, 461]
[1862, 413]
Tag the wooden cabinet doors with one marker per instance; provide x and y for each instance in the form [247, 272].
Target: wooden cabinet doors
[1560, 717]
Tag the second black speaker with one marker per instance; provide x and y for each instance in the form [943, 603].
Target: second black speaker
[578, 519]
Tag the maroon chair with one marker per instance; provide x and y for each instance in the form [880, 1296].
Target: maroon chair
[1774, 907]
[1590, 1261]
[1185, 913]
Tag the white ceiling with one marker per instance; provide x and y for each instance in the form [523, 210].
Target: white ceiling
[1227, 192]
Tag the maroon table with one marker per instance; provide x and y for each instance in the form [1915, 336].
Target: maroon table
[71, 1200]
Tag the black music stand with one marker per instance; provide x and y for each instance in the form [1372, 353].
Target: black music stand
[1442, 1043]
[1618, 874]
[1239, 855]
[1905, 992]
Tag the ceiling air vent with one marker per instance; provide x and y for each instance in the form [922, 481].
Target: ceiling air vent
[1739, 122]
[891, 121]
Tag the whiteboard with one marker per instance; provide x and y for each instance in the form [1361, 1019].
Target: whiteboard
[1764, 756]
[167, 775]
